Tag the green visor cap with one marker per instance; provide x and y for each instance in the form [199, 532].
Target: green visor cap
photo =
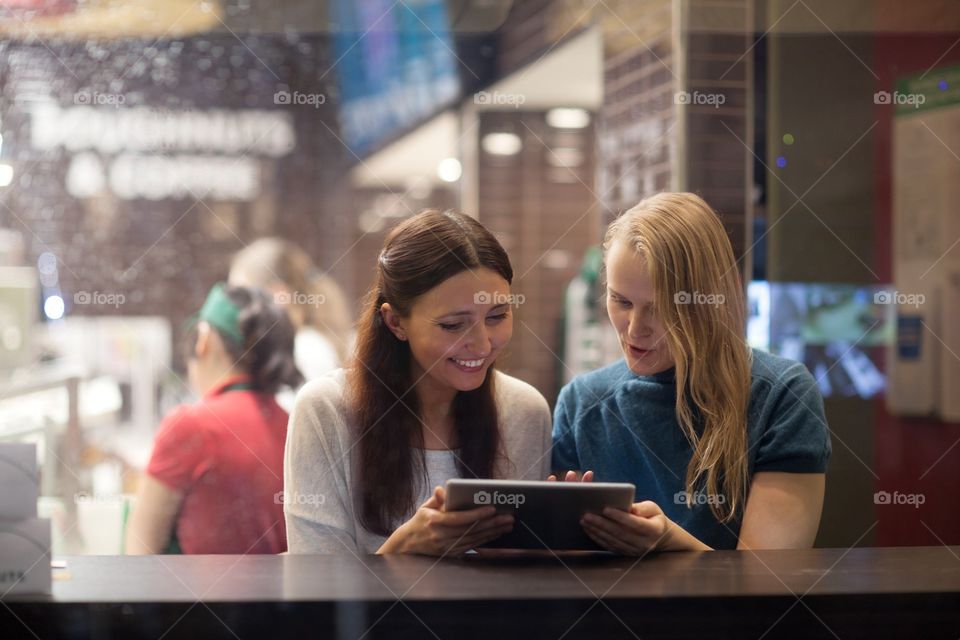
[219, 311]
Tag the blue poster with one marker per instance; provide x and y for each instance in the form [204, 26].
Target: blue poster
[395, 65]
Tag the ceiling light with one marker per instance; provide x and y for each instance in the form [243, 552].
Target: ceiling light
[566, 118]
[449, 170]
[501, 144]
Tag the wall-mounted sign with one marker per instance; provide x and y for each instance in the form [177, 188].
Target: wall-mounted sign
[139, 152]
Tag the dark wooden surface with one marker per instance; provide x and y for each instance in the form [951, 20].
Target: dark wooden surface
[830, 593]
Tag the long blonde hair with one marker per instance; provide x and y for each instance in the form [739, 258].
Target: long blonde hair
[267, 262]
[690, 260]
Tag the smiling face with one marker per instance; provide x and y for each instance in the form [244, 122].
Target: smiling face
[456, 330]
[632, 310]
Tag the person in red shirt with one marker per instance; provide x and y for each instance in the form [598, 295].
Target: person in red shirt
[214, 483]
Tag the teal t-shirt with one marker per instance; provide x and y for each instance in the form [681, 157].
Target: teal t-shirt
[624, 428]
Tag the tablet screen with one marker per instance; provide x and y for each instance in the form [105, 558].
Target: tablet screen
[546, 514]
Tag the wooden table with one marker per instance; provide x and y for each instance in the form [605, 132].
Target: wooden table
[821, 593]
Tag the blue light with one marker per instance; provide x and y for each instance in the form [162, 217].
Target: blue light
[781, 162]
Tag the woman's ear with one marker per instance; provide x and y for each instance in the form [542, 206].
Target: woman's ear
[392, 319]
[202, 346]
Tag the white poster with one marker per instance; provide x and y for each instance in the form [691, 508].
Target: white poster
[924, 361]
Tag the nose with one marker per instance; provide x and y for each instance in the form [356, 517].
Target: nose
[638, 325]
[478, 339]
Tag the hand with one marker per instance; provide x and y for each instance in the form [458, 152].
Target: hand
[573, 476]
[643, 529]
[435, 532]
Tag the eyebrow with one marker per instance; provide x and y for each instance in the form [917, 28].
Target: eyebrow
[458, 314]
[620, 295]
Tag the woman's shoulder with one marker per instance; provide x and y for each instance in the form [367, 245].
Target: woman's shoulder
[212, 411]
[322, 401]
[785, 391]
[772, 372]
[194, 417]
[329, 386]
[516, 395]
[599, 382]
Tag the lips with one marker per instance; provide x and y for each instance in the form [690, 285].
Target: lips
[637, 351]
[469, 366]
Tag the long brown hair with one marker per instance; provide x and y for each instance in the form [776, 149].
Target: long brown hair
[687, 252]
[419, 254]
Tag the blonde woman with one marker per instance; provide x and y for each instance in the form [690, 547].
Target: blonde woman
[315, 303]
[728, 447]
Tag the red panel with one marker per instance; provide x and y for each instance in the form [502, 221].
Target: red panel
[913, 456]
[23, 9]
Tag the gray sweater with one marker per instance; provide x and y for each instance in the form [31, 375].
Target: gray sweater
[319, 489]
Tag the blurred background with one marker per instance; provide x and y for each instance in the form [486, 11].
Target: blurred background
[144, 143]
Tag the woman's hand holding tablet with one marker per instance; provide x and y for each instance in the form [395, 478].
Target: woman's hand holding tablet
[435, 531]
[642, 529]
[573, 476]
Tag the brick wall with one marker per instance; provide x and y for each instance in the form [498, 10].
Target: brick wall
[544, 213]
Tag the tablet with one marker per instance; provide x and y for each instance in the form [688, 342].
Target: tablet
[546, 514]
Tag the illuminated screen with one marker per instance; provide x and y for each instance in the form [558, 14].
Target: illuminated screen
[834, 329]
